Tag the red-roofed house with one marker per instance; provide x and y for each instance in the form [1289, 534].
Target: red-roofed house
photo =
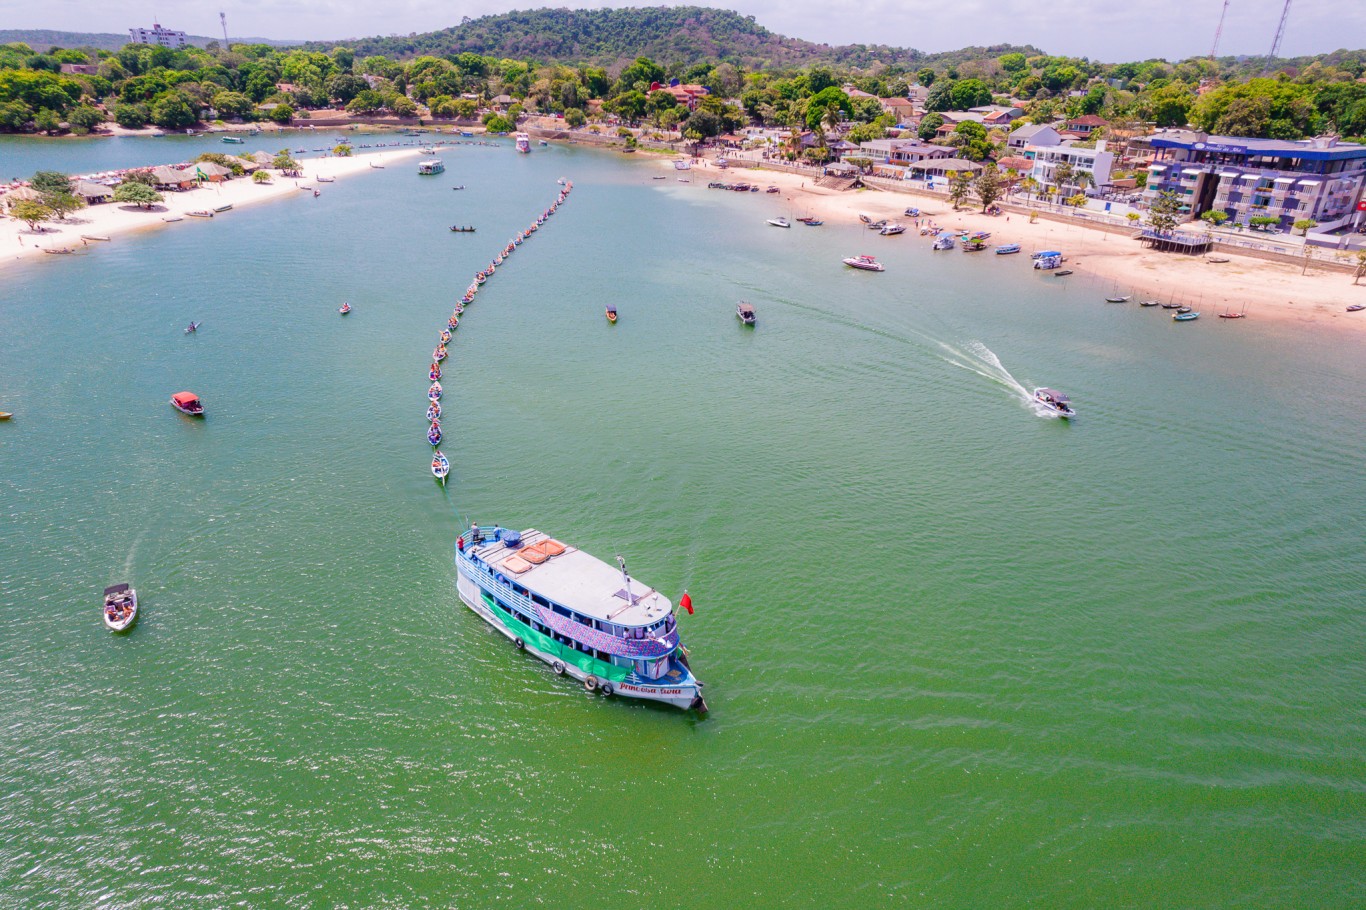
[1081, 127]
[685, 95]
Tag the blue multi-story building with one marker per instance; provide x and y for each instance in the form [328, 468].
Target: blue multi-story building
[1319, 179]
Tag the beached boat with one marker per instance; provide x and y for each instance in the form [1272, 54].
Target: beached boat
[173, 218]
[434, 393]
[780, 222]
[1356, 307]
[523, 142]
[578, 614]
[891, 230]
[434, 433]
[611, 314]
[1061, 274]
[744, 311]
[120, 607]
[1054, 402]
[344, 308]
[428, 168]
[1232, 315]
[1185, 317]
[200, 213]
[187, 403]
[441, 466]
[98, 237]
[864, 218]
[326, 179]
[866, 263]
[1217, 260]
[224, 208]
[1007, 248]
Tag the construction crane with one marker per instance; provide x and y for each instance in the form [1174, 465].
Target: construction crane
[1280, 33]
[1214, 51]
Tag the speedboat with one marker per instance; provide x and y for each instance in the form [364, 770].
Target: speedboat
[344, 308]
[120, 607]
[1054, 402]
[434, 433]
[866, 263]
[187, 403]
[441, 466]
[433, 411]
[434, 393]
[780, 222]
[1007, 248]
[944, 241]
[891, 230]
[745, 311]
[192, 327]
[611, 314]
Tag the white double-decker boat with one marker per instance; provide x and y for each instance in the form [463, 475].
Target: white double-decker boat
[581, 616]
[523, 142]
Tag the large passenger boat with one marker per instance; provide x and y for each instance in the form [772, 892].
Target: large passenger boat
[577, 613]
[523, 142]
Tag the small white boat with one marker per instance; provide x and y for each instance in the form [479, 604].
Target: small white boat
[745, 312]
[866, 263]
[780, 222]
[891, 230]
[188, 403]
[326, 179]
[1054, 402]
[120, 607]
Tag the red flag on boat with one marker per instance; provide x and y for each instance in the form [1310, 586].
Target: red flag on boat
[686, 603]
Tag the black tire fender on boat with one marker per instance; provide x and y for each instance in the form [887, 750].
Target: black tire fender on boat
[591, 684]
[558, 667]
[518, 644]
[607, 688]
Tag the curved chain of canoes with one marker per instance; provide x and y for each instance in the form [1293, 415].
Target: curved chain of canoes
[440, 464]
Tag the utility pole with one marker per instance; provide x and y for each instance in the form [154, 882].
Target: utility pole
[1214, 51]
[223, 18]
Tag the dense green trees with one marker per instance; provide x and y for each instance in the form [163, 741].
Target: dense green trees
[139, 194]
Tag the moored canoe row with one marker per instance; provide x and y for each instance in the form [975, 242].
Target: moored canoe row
[441, 465]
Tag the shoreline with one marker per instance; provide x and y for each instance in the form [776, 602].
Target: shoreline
[1267, 290]
[114, 220]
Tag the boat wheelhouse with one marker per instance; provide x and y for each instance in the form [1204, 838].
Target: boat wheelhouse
[430, 167]
[580, 615]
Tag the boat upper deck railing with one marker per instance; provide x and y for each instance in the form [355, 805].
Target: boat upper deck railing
[646, 648]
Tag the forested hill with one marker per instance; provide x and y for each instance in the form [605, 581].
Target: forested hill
[672, 35]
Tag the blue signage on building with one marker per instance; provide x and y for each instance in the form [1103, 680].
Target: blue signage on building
[1220, 149]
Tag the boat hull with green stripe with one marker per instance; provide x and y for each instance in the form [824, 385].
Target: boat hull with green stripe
[583, 617]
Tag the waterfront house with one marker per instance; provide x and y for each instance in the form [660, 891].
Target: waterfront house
[1320, 179]
[893, 157]
[1096, 163]
[937, 172]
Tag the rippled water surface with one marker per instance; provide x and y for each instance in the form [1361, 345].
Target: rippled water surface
[958, 654]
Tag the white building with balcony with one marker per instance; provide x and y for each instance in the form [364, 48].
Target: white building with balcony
[1094, 162]
[164, 37]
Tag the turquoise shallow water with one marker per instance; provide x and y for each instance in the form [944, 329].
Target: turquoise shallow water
[957, 654]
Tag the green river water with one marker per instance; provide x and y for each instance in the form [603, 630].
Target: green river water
[958, 655]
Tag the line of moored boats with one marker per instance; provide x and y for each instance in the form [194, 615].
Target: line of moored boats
[441, 465]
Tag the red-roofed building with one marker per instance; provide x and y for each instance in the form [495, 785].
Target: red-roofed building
[1082, 127]
[685, 95]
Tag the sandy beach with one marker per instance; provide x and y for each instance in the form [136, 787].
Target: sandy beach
[117, 221]
[1110, 263]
